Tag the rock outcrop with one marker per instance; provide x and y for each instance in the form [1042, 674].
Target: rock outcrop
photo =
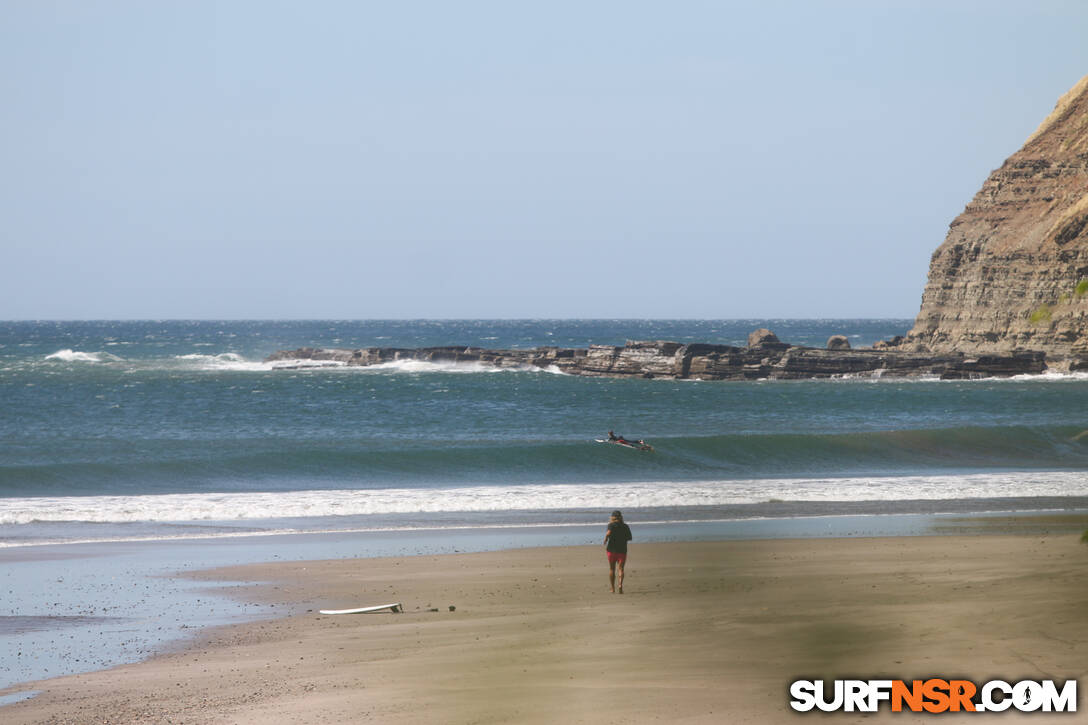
[1012, 274]
[764, 339]
[764, 358]
[838, 342]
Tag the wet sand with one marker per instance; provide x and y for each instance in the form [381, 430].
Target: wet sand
[707, 632]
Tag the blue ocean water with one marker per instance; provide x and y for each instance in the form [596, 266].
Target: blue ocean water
[157, 429]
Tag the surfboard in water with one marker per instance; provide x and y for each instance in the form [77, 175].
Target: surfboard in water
[627, 444]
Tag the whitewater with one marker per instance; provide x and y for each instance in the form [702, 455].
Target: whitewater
[137, 430]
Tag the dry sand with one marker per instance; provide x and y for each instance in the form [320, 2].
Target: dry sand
[706, 633]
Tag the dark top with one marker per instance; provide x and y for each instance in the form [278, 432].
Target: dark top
[619, 534]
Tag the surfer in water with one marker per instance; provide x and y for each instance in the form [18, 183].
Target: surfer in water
[640, 444]
[615, 544]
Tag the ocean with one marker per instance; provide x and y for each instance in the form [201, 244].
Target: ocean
[149, 430]
[133, 452]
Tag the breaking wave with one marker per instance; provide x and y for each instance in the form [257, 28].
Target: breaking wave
[74, 356]
[542, 497]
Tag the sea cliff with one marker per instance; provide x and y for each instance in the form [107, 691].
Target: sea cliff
[1012, 274]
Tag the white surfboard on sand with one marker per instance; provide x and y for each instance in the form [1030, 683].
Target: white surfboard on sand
[395, 607]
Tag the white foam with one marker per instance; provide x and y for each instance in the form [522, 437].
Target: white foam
[224, 357]
[305, 364]
[1051, 376]
[428, 366]
[223, 361]
[74, 356]
[231, 361]
[535, 497]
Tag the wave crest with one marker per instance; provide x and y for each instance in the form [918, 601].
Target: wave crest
[222, 361]
[75, 356]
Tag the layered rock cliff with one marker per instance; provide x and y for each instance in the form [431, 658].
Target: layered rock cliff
[1012, 274]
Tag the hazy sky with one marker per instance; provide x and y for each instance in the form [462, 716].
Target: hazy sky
[504, 159]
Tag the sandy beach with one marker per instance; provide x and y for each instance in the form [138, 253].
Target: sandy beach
[707, 632]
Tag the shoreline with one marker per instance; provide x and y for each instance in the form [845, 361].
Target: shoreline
[197, 590]
[533, 628]
[49, 533]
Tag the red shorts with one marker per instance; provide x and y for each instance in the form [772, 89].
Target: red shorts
[614, 557]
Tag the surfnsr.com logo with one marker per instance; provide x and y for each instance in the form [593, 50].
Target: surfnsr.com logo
[933, 695]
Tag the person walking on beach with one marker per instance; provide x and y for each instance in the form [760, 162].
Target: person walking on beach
[615, 543]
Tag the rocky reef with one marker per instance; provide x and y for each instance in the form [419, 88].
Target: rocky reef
[1012, 274]
[764, 358]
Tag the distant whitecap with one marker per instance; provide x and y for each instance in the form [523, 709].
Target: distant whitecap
[74, 356]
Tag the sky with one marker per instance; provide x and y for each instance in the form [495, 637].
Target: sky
[257, 159]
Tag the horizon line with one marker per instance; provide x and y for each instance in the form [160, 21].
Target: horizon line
[447, 319]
